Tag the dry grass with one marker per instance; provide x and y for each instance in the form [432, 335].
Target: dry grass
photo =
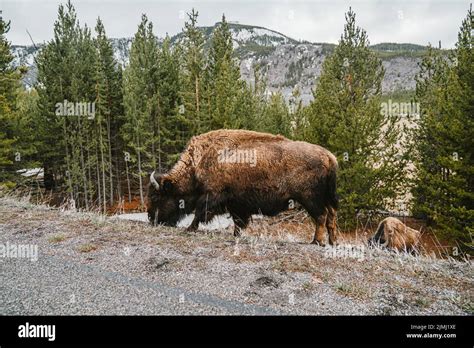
[297, 227]
[294, 226]
[87, 248]
[354, 290]
[57, 238]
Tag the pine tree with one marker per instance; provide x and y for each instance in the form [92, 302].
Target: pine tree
[225, 89]
[55, 62]
[66, 73]
[297, 115]
[83, 88]
[25, 146]
[345, 117]
[174, 132]
[142, 126]
[444, 184]
[246, 109]
[192, 76]
[276, 117]
[108, 113]
[9, 89]
[255, 98]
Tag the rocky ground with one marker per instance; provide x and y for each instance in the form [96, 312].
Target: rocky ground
[91, 264]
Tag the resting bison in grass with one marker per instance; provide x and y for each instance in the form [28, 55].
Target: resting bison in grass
[394, 234]
[243, 173]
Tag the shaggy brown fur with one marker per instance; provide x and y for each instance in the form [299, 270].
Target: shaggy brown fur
[394, 234]
[282, 171]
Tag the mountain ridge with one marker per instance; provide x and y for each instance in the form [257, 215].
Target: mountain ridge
[286, 63]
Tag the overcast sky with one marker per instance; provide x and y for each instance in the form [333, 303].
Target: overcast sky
[419, 21]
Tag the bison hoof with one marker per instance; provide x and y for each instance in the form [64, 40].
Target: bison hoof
[316, 242]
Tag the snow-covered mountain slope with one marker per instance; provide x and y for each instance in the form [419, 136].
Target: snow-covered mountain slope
[285, 63]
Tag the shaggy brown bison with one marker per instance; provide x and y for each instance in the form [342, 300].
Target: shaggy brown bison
[394, 234]
[243, 173]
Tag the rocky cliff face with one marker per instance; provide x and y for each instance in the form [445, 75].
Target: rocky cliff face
[285, 63]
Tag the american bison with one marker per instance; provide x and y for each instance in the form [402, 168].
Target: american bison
[243, 173]
[394, 234]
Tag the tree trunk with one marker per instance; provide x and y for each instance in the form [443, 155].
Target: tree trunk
[83, 167]
[111, 174]
[101, 145]
[140, 172]
[128, 183]
[99, 192]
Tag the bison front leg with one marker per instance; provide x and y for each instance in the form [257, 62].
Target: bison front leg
[198, 218]
[240, 222]
[194, 224]
[202, 213]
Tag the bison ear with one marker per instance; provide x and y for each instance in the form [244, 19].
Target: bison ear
[166, 184]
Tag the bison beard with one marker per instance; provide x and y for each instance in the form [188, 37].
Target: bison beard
[281, 171]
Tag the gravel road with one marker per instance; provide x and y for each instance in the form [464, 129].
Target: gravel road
[54, 286]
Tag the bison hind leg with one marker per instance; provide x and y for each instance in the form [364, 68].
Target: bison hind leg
[320, 233]
[331, 225]
[319, 215]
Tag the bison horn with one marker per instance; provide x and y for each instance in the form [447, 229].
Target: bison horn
[153, 181]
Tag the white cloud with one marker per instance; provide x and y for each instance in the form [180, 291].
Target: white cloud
[418, 22]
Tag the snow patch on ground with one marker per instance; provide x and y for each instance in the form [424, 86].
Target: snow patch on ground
[219, 222]
[37, 172]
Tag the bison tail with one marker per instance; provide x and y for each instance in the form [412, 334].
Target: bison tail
[333, 199]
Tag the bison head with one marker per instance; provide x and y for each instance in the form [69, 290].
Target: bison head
[378, 239]
[163, 202]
